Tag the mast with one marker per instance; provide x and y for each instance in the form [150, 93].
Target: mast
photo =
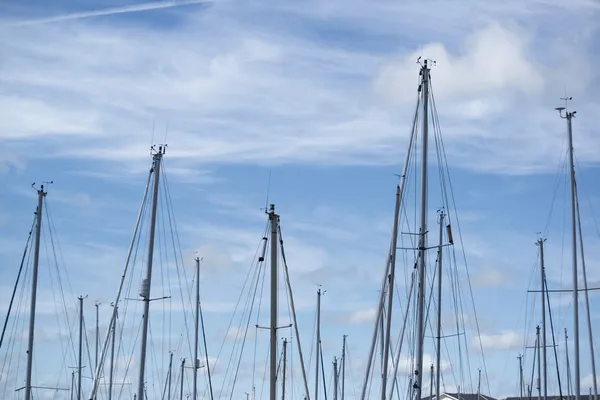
[391, 280]
[112, 360]
[587, 305]
[79, 365]
[335, 379]
[540, 243]
[146, 283]
[170, 375]
[318, 344]
[569, 384]
[97, 334]
[439, 311]
[283, 373]
[343, 364]
[418, 381]
[197, 320]
[431, 383]
[479, 384]
[274, 219]
[569, 116]
[36, 259]
[539, 368]
[181, 387]
[520, 357]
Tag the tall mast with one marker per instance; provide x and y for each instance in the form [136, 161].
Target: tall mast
[335, 379]
[112, 360]
[569, 384]
[97, 334]
[36, 259]
[170, 375]
[390, 302]
[343, 365]
[283, 369]
[540, 243]
[318, 344]
[438, 337]
[587, 304]
[520, 357]
[182, 372]
[431, 382]
[479, 384]
[146, 283]
[418, 381]
[196, 363]
[569, 116]
[274, 219]
[539, 368]
[79, 365]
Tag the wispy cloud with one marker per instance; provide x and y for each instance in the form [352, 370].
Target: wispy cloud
[155, 5]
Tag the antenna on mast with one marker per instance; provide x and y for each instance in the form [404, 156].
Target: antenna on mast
[268, 191]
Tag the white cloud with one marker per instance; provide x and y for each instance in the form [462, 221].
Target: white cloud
[505, 340]
[490, 276]
[229, 99]
[360, 316]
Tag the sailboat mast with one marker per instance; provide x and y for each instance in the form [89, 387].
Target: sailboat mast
[438, 337]
[274, 219]
[543, 282]
[80, 359]
[97, 334]
[283, 369]
[36, 259]
[112, 360]
[422, 237]
[520, 357]
[146, 283]
[343, 365]
[587, 304]
[181, 383]
[196, 366]
[539, 367]
[335, 378]
[170, 375]
[569, 116]
[390, 302]
[318, 352]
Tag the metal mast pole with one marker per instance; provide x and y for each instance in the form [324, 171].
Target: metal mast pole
[79, 365]
[539, 367]
[112, 360]
[391, 280]
[335, 379]
[543, 281]
[97, 334]
[196, 366]
[431, 382]
[283, 369]
[568, 116]
[146, 283]
[479, 384]
[274, 219]
[170, 375]
[181, 387]
[439, 311]
[318, 344]
[520, 357]
[418, 381]
[36, 259]
[587, 304]
[343, 365]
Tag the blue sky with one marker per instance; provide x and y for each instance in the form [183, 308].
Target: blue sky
[319, 95]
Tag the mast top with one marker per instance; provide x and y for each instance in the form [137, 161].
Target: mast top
[158, 149]
[568, 114]
[41, 189]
